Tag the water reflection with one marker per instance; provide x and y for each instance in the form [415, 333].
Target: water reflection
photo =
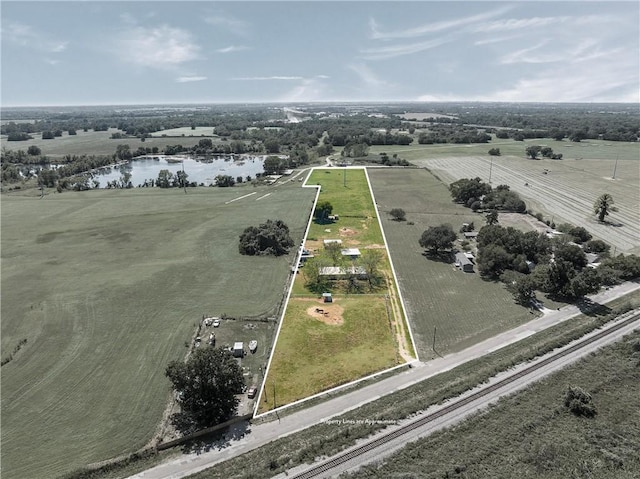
[199, 170]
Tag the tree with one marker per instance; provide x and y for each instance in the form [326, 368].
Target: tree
[370, 260]
[224, 181]
[547, 151]
[521, 286]
[206, 385]
[603, 205]
[273, 165]
[493, 260]
[533, 151]
[47, 135]
[467, 189]
[123, 152]
[164, 179]
[494, 152]
[398, 214]
[492, 217]
[33, 150]
[270, 238]
[579, 234]
[437, 238]
[322, 211]
[587, 281]
[572, 254]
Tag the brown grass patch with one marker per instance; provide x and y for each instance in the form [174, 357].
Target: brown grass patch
[328, 313]
[347, 232]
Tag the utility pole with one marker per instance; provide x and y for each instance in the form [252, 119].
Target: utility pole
[344, 177]
[615, 167]
[434, 338]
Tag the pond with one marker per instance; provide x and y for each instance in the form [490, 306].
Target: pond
[201, 171]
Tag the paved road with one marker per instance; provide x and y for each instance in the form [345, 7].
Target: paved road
[261, 434]
[449, 419]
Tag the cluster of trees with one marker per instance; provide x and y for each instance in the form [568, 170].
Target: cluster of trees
[369, 261]
[560, 265]
[270, 238]
[205, 386]
[476, 194]
[393, 161]
[453, 134]
[533, 151]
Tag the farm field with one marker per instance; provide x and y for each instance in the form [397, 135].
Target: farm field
[186, 131]
[462, 308]
[588, 149]
[107, 287]
[532, 434]
[93, 143]
[323, 345]
[566, 193]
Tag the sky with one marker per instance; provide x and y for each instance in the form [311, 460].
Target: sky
[150, 52]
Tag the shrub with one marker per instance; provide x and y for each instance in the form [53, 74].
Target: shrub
[579, 402]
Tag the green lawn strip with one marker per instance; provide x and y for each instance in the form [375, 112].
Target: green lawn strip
[328, 439]
[462, 308]
[312, 356]
[533, 435]
[107, 287]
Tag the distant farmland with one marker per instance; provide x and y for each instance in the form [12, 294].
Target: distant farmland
[566, 192]
[462, 308]
[107, 287]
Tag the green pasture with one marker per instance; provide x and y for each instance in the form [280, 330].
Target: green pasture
[94, 143]
[462, 308]
[108, 286]
[312, 356]
[186, 131]
[587, 149]
[348, 192]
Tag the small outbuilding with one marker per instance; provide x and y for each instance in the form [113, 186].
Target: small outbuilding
[470, 235]
[464, 263]
[328, 242]
[352, 253]
[327, 298]
[238, 349]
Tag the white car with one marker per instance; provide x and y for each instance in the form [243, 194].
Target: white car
[216, 323]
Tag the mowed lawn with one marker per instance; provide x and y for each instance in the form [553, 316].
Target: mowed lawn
[107, 287]
[462, 308]
[311, 356]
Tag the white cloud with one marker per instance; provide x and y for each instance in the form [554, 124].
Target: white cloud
[435, 26]
[232, 48]
[232, 24]
[530, 24]
[25, 36]
[309, 89]
[368, 77]
[159, 47]
[383, 53]
[187, 79]
[286, 78]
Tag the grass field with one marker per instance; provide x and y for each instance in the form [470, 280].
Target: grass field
[463, 308]
[358, 334]
[588, 149]
[107, 287]
[94, 143]
[533, 435]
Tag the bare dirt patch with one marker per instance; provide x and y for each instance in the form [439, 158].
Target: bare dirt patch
[374, 246]
[328, 313]
[347, 232]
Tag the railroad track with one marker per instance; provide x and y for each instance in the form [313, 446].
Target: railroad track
[365, 448]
